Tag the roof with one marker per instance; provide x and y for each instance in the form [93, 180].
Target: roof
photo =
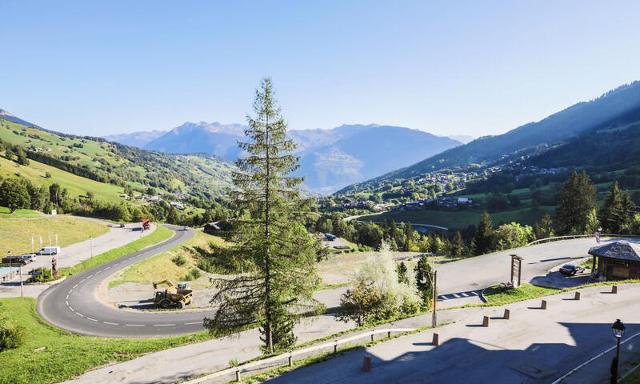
[621, 250]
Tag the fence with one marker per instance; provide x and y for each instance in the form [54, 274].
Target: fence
[289, 357]
[558, 238]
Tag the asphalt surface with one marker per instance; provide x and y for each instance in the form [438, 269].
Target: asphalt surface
[534, 347]
[73, 304]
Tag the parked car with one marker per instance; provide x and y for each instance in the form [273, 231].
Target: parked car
[29, 257]
[571, 269]
[49, 251]
[16, 260]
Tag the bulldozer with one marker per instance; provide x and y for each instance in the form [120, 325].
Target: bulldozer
[173, 295]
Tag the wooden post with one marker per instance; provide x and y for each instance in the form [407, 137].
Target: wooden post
[485, 321]
[335, 347]
[507, 314]
[388, 334]
[434, 318]
[543, 304]
[372, 337]
[435, 340]
[577, 295]
[366, 363]
[237, 375]
[614, 289]
[291, 360]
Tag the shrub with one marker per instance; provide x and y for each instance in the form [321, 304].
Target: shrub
[192, 275]
[11, 334]
[179, 260]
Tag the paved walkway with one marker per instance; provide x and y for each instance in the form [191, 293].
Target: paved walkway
[74, 254]
[534, 346]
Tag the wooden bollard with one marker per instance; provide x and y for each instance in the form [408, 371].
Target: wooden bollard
[507, 314]
[366, 363]
[435, 340]
[372, 337]
[485, 321]
[290, 360]
[543, 304]
[389, 334]
[576, 296]
[614, 289]
[237, 375]
[335, 347]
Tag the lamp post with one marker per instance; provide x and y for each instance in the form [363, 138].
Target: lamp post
[618, 332]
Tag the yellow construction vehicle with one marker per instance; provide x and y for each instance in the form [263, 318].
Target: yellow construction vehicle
[172, 295]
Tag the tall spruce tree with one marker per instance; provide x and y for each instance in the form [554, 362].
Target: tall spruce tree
[276, 252]
[575, 203]
[457, 248]
[424, 281]
[484, 239]
[617, 211]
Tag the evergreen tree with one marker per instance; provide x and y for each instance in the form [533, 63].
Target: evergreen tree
[424, 281]
[457, 248]
[483, 241]
[575, 203]
[544, 228]
[401, 270]
[616, 215]
[277, 253]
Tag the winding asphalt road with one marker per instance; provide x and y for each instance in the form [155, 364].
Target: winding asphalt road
[73, 304]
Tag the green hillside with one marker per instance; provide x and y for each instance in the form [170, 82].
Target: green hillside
[116, 164]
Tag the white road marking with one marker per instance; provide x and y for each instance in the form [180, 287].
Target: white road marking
[66, 302]
[106, 322]
[91, 318]
[163, 325]
[134, 325]
[195, 322]
[79, 314]
[74, 287]
[464, 294]
[474, 293]
[455, 295]
[107, 268]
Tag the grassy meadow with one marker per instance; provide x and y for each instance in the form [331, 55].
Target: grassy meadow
[16, 230]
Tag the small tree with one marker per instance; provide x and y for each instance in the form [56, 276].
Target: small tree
[14, 195]
[457, 247]
[377, 294]
[513, 235]
[575, 203]
[618, 210]
[544, 228]
[401, 270]
[424, 281]
[484, 240]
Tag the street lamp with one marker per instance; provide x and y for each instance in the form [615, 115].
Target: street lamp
[618, 332]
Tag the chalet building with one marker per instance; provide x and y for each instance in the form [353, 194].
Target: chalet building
[617, 260]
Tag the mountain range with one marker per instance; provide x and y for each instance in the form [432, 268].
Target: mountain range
[329, 158]
[558, 135]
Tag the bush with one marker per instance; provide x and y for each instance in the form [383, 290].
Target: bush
[179, 260]
[192, 275]
[11, 334]
[41, 275]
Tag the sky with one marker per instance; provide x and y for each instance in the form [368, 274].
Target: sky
[447, 67]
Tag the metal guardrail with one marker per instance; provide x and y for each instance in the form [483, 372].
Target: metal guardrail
[558, 238]
[288, 358]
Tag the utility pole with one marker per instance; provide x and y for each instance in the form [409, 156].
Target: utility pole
[434, 319]
[21, 284]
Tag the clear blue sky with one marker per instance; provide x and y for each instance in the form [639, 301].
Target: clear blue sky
[448, 67]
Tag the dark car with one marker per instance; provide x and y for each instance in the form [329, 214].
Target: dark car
[571, 269]
[15, 260]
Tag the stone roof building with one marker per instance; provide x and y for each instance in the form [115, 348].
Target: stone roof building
[617, 260]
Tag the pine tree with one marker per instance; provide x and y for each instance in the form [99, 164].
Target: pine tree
[544, 228]
[276, 251]
[483, 241]
[575, 203]
[424, 281]
[617, 211]
[401, 270]
[458, 248]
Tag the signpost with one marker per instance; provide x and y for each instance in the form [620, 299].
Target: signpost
[516, 271]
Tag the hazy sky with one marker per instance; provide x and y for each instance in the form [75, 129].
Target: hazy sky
[448, 67]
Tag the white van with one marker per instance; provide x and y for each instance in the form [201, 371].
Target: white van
[49, 251]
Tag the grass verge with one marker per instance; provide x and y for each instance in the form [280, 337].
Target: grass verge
[16, 234]
[160, 234]
[51, 355]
